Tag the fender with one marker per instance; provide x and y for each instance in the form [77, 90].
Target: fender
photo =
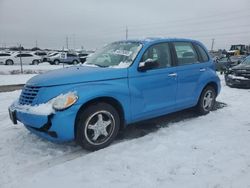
[208, 77]
[116, 89]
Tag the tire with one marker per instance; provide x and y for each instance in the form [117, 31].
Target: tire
[97, 126]
[56, 62]
[35, 62]
[206, 101]
[75, 62]
[9, 62]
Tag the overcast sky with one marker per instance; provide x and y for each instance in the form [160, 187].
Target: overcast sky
[93, 23]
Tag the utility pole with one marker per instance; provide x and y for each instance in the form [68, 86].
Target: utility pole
[20, 55]
[212, 47]
[67, 42]
[36, 44]
[126, 32]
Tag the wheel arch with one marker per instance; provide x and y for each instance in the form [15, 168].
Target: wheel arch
[214, 85]
[109, 100]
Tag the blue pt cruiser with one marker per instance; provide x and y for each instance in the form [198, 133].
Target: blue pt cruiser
[123, 83]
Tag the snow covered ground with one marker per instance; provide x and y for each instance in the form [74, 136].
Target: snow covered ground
[211, 151]
[11, 74]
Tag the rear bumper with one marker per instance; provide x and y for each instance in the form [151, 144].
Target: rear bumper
[237, 82]
[58, 126]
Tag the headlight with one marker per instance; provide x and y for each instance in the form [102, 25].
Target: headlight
[64, 101]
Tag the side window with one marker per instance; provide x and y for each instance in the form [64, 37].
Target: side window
[204, 56]
[186, 53]
[3, 55]
[159, 53]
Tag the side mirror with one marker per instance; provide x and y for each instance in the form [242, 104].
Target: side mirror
[147, 65]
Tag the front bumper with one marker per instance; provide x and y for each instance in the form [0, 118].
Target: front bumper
[58, 126]
[238, 82]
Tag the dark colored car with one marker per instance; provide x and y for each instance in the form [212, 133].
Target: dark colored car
[239, 76]
[83, 57]
[224, 63]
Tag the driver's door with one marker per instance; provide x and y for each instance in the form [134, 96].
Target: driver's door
[153, 91]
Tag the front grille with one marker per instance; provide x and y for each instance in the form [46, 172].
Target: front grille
[28, 95]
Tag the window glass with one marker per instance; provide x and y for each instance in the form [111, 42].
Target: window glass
[25, 55]
[159, 53]
[203, 54]
[2, 55]
[185, 53]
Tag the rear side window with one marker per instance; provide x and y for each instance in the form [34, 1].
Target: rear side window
[186, 53]
[2, 55]
[203, 54]
[159, 53]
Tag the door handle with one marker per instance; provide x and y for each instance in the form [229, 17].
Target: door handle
[202, 70]
[172, 74]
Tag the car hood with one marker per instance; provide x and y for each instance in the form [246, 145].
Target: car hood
[76, 74]
[241, 66]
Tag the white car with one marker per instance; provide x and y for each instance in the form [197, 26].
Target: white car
[4, 56]
[27, 59]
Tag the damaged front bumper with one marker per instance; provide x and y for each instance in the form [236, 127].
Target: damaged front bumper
[57, 126]
[237, 81]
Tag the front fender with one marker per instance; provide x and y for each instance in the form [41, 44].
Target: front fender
[116, 89]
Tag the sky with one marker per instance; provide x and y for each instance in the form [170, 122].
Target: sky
[91, 24]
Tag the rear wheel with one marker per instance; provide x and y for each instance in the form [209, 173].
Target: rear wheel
[207, 100]
[97, 126]
[56, 62]
[75, 62]
[9, 62]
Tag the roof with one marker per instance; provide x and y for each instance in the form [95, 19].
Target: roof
[158, 39]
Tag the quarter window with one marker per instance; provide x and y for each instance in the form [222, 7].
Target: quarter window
[204, 56]
[159, 53]
[185, 52]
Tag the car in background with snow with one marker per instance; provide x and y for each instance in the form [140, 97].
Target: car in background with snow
[26, 58]
[123, 83]
[63, 57]
[3, 57]
[239, 76]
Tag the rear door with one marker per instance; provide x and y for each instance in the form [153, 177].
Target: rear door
[189, 70]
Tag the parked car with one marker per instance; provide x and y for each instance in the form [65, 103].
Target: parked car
[3, 57]
[63, 57]
[83, 57]
[27, 59]
[42, 54]
[239, 76]
[224, 63]
[144, 79]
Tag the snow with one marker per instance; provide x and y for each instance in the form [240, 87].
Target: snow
[11, 74]
[121, 65]
[15, 79]
[209, 151]
[41, 109]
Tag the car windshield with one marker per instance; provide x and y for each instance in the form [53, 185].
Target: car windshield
[52, 54]
[246, 61]
[116, 55]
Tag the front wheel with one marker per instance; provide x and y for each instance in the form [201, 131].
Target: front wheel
[9, 62]
[35, 62]
[97, 126]
[207, 101]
